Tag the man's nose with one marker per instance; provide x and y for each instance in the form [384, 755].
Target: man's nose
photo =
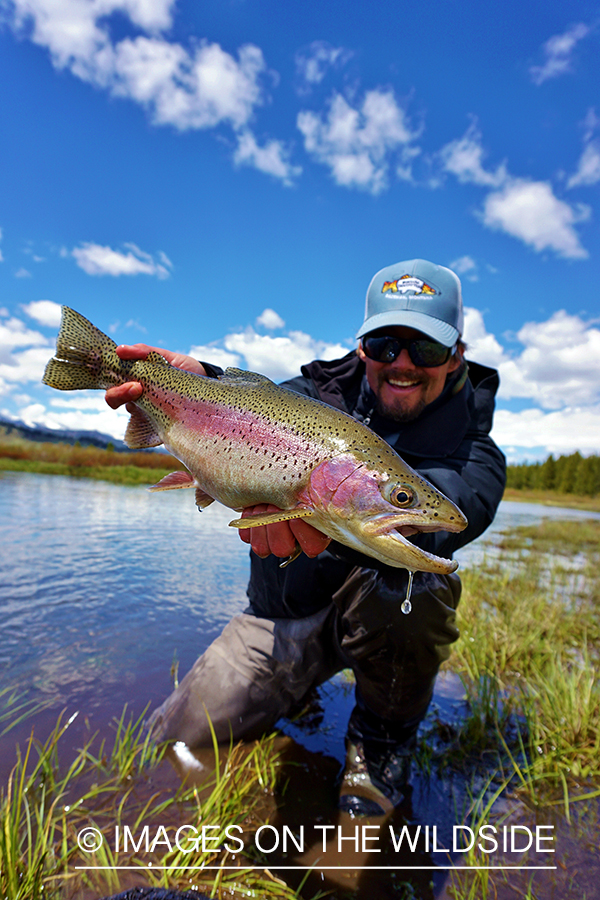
[403, 361]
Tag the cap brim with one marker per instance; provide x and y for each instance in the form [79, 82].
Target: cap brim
[433, 328]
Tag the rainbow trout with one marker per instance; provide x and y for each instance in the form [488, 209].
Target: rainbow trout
[244, 440]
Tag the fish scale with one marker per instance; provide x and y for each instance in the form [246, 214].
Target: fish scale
[247, 441]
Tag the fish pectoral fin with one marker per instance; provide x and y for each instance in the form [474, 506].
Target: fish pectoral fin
[174, 481]
[203, 499]
[141, 431]
[283, 515]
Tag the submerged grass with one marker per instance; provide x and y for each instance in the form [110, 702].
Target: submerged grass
[528, 659]
[46, 808]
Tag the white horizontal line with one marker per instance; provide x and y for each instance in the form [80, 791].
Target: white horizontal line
[315, 868]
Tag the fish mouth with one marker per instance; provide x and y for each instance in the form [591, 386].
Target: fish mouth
[388, 528]
[390, 524]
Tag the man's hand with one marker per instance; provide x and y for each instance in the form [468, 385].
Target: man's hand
[132, 390]
[280, 538]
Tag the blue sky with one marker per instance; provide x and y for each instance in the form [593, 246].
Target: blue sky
[225, 178]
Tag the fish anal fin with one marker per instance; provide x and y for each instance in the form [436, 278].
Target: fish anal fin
[203, 499]
[141, 431]
[174, 481]
[283, 515]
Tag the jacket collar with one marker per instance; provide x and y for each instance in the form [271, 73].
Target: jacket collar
[441, 426]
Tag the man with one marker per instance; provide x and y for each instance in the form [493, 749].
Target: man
[334, 608]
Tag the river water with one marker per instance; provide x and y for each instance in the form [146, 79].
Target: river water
[103, 587]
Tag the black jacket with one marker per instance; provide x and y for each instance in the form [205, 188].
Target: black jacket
[449, 444]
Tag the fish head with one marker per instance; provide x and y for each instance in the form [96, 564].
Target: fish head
[374, 501]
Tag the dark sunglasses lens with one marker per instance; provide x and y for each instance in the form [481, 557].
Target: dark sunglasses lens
[382, 349]
[386, 349]
[428, 353]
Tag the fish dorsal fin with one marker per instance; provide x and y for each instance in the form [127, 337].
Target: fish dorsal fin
[141, 431]
[232, 374]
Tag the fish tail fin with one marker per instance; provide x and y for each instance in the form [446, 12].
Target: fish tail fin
[85, 356]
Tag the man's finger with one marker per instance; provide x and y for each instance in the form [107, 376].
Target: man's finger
[310, 539]
[123, 393]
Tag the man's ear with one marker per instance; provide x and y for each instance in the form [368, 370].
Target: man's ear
[457, 360]
[360, 352]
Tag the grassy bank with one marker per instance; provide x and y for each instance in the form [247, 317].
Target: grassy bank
[58, 824]
[20, 455]
[528, 659]
[528, 736]
[553, 498]
[142, 467]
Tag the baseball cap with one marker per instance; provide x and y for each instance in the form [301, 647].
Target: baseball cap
[417, 294]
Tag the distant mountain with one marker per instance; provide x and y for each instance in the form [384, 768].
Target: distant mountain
[55, 436]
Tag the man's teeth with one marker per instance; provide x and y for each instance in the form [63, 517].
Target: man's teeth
[399, 383]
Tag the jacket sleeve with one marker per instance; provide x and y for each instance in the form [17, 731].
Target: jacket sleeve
[474, 479]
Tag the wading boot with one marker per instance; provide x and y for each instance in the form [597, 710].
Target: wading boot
[374, 784]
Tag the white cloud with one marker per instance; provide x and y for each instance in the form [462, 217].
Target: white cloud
[588, 169]
[358, 144]
[465, 265]
[558, 367]
[270, 319]
[214, 353]
[464, 158]
[481, 345]
[276, 357]
[82, 412]
[46, 312]
[98, 260]
[530, 211]
[197, 87]
[558, 53]
[526, 209]
[314, 61]
[273, 158]
[562, 431]
[22, 273]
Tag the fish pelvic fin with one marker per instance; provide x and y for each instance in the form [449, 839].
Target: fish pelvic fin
[141, 433]
[174, 481]
[203, 499]
[283, 515]
[81, 349]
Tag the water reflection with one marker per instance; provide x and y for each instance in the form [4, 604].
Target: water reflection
[102, 586]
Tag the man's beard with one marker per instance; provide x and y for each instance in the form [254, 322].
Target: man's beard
[397, 413]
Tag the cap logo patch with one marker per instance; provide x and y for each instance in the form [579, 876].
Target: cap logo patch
[408, 284]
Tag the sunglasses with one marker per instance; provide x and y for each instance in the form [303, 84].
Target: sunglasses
[422, 351]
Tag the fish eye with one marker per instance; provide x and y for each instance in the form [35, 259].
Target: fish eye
[402, 495]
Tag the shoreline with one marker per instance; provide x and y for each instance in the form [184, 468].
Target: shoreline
[134, 475]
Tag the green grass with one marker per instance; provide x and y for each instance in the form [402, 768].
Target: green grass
[553, 498]
[46, 804]
[135, 468]
[528, 659]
